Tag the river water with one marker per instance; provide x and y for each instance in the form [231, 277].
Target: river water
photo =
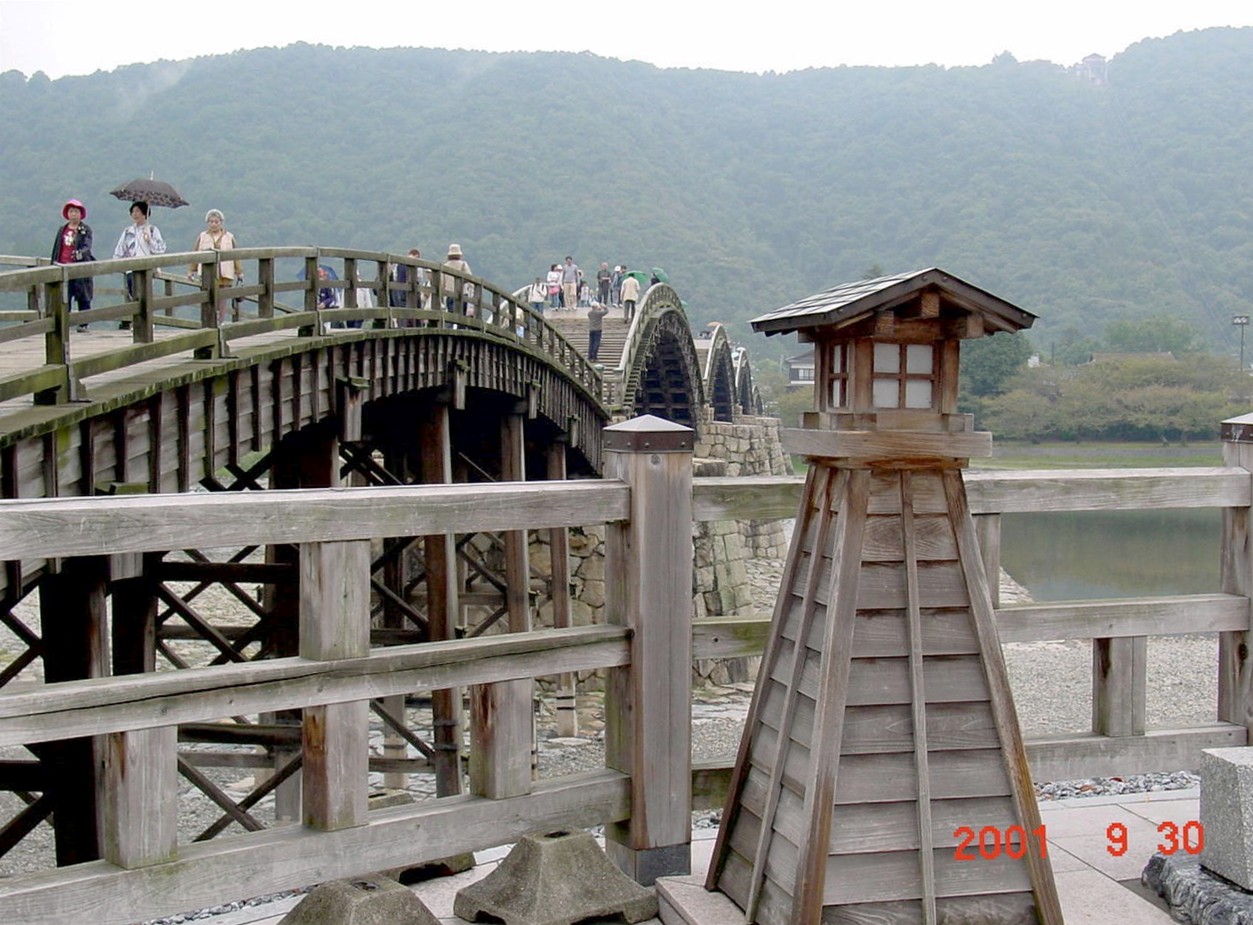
[1098, 554]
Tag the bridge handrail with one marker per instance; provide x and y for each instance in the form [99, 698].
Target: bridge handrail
[1119, 743]
[435, 296]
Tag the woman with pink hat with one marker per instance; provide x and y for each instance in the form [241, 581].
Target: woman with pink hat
[73, 245]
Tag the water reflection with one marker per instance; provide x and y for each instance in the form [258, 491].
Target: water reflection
[1096, 554]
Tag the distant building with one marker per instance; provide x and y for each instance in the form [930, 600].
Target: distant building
[800, 371]
[1127, 355]
[1093, 68]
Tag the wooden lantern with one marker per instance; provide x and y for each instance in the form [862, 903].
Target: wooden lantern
[882, 728]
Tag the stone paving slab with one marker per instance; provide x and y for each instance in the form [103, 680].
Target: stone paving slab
[1090, 898]
[1088, 878]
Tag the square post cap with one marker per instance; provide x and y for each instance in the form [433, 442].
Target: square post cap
[649, 434]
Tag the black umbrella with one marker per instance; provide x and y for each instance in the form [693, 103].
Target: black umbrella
[152, 191]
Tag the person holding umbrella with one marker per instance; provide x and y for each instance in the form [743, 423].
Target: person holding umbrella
[139, 239]
[73, 245]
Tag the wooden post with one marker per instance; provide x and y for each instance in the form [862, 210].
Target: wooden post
[299, 461]
[503, 725]
[265, 277]
[335, 624]
[559, 554]
[140, 808]
[209, 305]
[141, 796]
[396, 580]
[56, 341]
[440, 564]
[141, 324]
[988, 531]
[1119, 680]
[1235, 669]
[134, 627]
[76, 643]
[648, 587]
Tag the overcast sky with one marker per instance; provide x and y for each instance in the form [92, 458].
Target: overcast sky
[60, 37]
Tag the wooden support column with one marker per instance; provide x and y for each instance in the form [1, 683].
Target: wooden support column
[503, 715]
[140, 807]
[1235, 668]
[648, 587]
[559, 554]
[75, 647]
[335, 624]
[395, 579]
[439, 553]
[302, 460]
[134, 629]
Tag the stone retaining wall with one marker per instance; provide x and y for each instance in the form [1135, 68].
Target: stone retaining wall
[722, 550]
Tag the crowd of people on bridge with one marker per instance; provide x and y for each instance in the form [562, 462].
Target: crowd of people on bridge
[563, 288]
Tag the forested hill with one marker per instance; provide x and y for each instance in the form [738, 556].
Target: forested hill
[1082, 203]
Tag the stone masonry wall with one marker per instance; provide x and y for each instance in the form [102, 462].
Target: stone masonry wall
[722, 550]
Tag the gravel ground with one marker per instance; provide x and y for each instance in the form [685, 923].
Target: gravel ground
[1051, 683]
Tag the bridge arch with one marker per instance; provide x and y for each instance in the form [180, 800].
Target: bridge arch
[747, 395]
[717, 372]
[660, 372]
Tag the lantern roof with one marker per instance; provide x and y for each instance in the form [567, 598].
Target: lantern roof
[848, 303]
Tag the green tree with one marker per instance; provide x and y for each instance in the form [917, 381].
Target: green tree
[1153, 334]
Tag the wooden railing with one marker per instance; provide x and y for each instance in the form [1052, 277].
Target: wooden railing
[280, 293]
[647, 502]
[1119, 742]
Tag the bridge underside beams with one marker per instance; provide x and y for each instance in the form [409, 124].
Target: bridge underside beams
[666, 387]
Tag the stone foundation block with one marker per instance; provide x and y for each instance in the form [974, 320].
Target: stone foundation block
[556, 879]
[375, 901]
[1227, 813]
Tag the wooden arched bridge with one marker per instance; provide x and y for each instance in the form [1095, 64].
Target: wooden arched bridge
[294, 379]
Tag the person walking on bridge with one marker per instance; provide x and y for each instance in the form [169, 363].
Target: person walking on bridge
[595, 328]
[630, 295]
[138, 239]
[537, 295]
[449, 283]
[73, 245]
[604, 279]
[215, 237]
[570, 274]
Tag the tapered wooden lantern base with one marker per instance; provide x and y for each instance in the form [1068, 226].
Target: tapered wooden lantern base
[882, 778]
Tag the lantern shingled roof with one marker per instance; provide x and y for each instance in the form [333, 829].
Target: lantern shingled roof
[847, 303]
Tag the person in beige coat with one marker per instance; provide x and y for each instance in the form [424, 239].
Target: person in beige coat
[215, 237]
[448, 282]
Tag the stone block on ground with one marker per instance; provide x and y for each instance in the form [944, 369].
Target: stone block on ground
[372, 901]
[556, 879]
[428, 868]
[1227, 813]
[1195, 894]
